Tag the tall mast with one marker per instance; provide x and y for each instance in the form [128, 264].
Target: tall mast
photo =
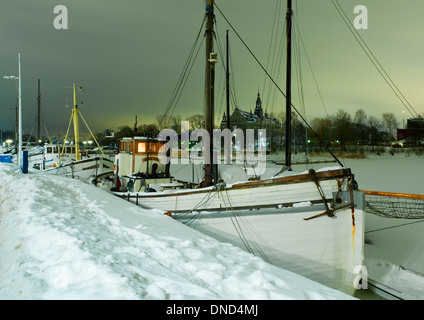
[39, 111]
[20, 113]
[288, 84]
[227, 146]
[228, 85]
[210, 169]
[76, 128]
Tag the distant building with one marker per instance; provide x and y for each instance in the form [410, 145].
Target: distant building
[244, 119]
[413, 133]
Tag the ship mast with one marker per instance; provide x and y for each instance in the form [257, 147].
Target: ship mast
[39, 111]
[211, 58]
[227, 78]
[288, 84]
[76, 128]
[74, 118]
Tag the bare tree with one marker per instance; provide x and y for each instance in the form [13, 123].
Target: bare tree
[321, 127]
[391, 124]
[197, 121]
[124, 131]
[342, 124]
[374, 131]
[150, 130]
[360, 130]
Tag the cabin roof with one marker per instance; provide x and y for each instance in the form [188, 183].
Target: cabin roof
[140, 138]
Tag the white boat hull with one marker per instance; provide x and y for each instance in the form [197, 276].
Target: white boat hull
[253, 194]
[323, 249]
[326, 250]
[86, 169]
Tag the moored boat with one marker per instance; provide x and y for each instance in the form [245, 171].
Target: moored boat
[69, 160]
[311, 223]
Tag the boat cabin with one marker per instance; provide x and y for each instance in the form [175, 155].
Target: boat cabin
[138, 164]
[53, 156]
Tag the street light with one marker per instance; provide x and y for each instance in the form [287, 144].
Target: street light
[19, 110]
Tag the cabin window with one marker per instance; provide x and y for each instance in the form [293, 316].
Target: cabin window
[141, 147]
[125, 146]
[68, 150]
[154, 147]
[49, 150]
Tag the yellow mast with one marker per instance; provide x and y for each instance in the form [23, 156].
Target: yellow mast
[76, 130]
[74, 118]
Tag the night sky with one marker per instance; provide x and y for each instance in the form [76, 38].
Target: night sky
[128, 56]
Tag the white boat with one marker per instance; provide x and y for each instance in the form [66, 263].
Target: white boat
[90, 170]
[69, 160]
[311, 223]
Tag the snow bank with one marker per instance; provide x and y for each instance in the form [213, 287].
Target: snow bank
[63, 239]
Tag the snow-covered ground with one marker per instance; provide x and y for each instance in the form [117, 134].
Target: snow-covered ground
[63, 239]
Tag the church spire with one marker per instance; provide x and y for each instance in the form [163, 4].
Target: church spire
[258, 110]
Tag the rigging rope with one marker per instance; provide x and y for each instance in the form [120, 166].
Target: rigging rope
[270, 95]
[92, 135]
[197, 209]
[279, 89]
[182, 80]
[397, 226]
[64, 141]
[310, 67]
[373, 59]
[236, 225]
[233, 96]
[238, 222]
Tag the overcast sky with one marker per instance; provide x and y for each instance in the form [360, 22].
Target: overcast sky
[128, 56]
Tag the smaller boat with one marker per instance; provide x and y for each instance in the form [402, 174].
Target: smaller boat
[62, 160]
[51, 155]
[70, 160]
[91, 170]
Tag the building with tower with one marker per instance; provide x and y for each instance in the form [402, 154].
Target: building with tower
[248, 119]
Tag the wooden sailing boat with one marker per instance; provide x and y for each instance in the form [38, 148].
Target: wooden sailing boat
[322, 241]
